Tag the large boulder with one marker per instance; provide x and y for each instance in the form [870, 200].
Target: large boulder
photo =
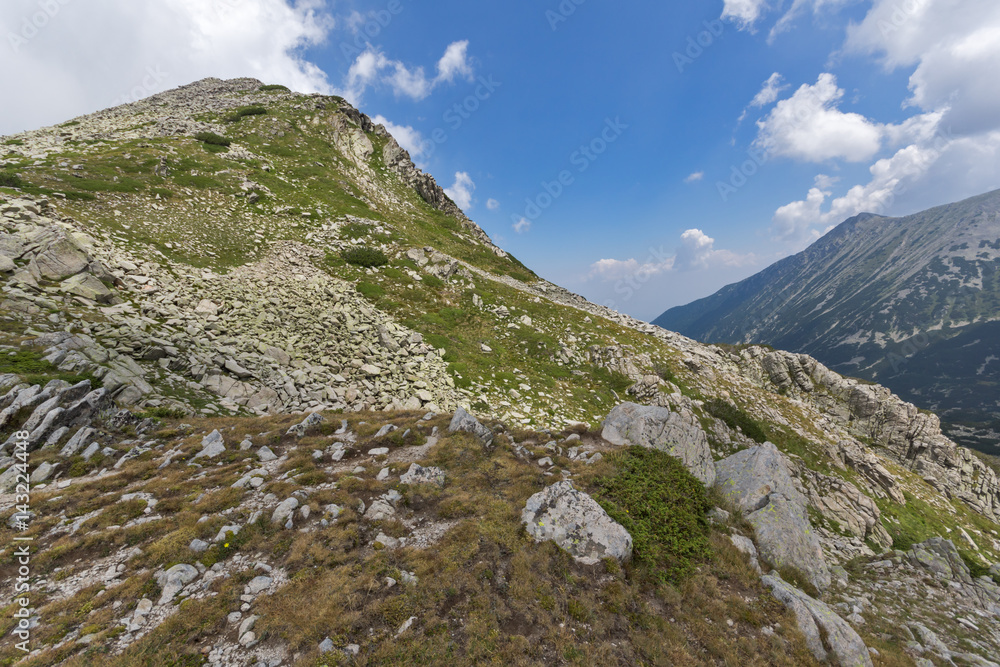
[758, 482]
[575, 522]
[61, 259]
[463, 421]
[653, 427]
[826, 633]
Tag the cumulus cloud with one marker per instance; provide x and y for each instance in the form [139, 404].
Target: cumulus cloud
[522, 226]
[955, 46]
[492, 204]
[695, 177]
[372, 67]
[696, 252]
[461, 191]
[809, 127]
[930, 172]
[89, 55]
[455, 62]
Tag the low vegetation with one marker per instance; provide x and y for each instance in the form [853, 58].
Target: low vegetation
[663, 507]
[365, 256]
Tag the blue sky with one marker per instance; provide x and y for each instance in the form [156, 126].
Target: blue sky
[722, 135]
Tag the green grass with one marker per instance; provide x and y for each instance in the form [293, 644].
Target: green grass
[736, 419]
[33, 369]
[273, 87]
[662, 506]
[370, 291]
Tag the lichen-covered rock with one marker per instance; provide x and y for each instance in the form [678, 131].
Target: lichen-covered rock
[418, 474]
[655, 427]
[575, 522]
[942, 558]
[758, 481]
[825, 631]
[463, 421]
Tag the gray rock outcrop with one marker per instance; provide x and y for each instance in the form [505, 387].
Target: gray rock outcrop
[575, 522]
[758, 482]
[660, 428]
[825, 631]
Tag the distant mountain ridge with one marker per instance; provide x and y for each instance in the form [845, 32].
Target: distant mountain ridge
[910, 302]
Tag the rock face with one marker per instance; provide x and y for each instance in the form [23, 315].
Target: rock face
[655, 427]
[758, 482]
[826, 633]
[575, 522]
[910, 437]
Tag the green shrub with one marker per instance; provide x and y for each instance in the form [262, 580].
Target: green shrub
[736, 418]
[10, 180]
[212, 138]
[662, 506]
[245, 111]
[364, 256]
[273, 86]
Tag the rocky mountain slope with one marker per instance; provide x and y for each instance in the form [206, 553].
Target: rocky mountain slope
[912, 303]
[252, 357]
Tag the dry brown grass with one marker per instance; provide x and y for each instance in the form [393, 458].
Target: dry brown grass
[487, 593]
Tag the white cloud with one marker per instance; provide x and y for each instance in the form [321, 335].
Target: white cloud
[693, 178]
[617, 269]
[407, 137]
[372, 67]
[766, 95]
[455, 62]
[461, 191]
[809, 127]
[931, 172]
[696, 252]
[955, 46]
[522, 226]
[492, 204]
[88, 55]
[769, 91]
[744, 12]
